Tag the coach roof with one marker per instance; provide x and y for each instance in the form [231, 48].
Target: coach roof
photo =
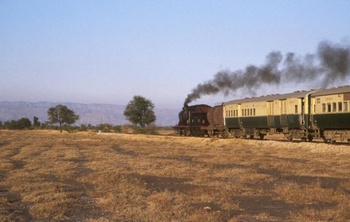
[297, 94]
[336, 90]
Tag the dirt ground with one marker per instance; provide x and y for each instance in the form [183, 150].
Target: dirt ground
[48, 176]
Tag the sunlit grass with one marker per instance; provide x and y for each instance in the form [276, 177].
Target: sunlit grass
[45, 175]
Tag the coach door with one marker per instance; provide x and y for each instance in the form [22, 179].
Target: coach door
[302, 116]
[284, 120]
[270, 114]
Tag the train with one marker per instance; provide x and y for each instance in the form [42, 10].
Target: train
[305, 115]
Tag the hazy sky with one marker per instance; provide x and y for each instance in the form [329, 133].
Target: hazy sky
[108, 51]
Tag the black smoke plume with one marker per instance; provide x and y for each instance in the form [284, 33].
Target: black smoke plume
[330, 64]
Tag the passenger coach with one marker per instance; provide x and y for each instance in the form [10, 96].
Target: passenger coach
[330, 114]
[322, 113]
[258, 116]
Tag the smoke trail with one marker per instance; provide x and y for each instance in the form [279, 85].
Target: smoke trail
[331, 63]
[335, 60]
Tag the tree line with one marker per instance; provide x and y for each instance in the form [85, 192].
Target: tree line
[139, 112]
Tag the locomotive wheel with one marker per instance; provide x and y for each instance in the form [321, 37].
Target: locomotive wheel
[261, 136]
[181, 132]
[185, 133]
[310, 138]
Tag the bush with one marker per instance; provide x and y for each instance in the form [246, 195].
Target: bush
[23, 123]
[105, 128]
[151, 129]
[127, 128]
[117, 129]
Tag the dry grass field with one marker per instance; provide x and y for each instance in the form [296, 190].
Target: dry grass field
[48, 176]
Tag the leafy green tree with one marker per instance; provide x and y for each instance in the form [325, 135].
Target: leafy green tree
[62, 115]
[36, 122]
[24, 123]
[139, 111]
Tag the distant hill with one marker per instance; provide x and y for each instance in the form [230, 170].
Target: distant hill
[89, 113]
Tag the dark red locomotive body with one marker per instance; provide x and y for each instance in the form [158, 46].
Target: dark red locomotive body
[193, 120]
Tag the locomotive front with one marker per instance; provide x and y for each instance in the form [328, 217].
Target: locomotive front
[193, 120]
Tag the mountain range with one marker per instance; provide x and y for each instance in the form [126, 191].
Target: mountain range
[93, 114]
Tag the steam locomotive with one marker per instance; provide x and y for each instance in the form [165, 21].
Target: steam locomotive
[305, 115]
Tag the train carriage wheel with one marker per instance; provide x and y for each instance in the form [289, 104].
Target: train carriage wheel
[331, 141]
[289, 137]
[224, 134]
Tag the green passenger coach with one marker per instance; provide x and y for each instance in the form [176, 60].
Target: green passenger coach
[330, 114]
[321, 113]
[279, 113]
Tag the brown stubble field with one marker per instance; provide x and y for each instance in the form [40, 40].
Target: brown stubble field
[48, 176]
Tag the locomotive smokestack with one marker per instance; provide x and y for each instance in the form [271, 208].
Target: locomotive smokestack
[330, 64]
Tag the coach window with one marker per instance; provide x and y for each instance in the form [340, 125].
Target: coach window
[296, 109]
[323, 107]
[334, 107]
[340, 107]
[329, 107]
[345, 106]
